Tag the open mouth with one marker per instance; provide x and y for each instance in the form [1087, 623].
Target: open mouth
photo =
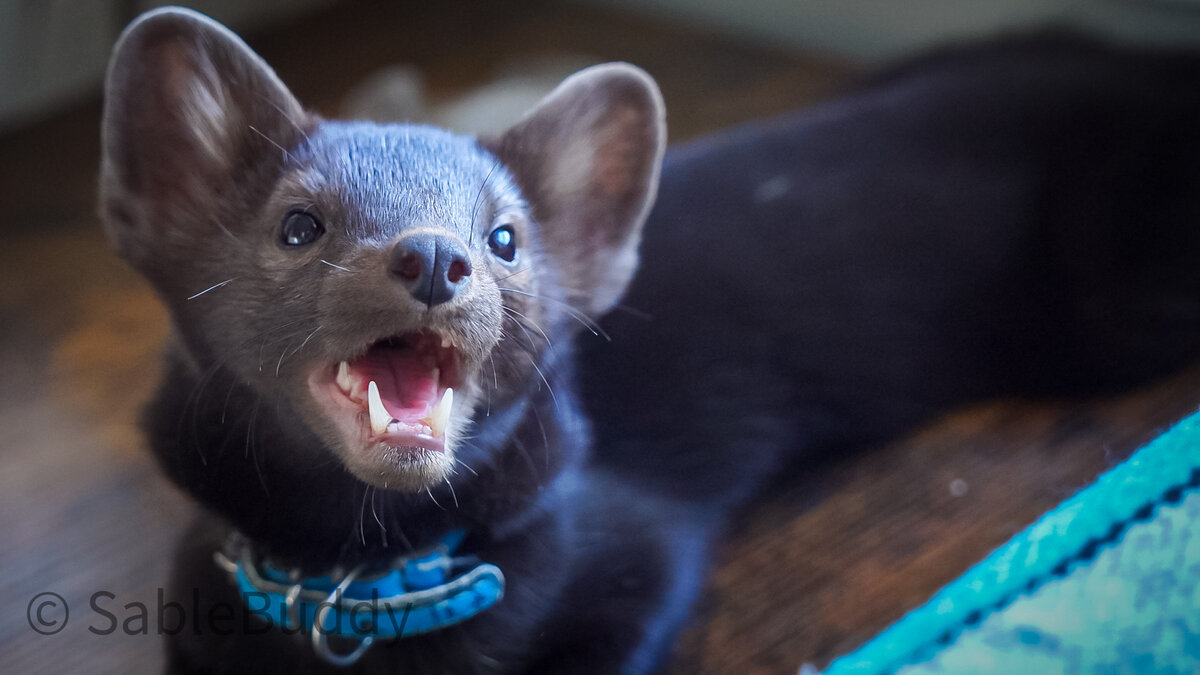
[399, 392]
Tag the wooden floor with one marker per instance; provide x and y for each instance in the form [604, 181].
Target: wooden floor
[814, 570]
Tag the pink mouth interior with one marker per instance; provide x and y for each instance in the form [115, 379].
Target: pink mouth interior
[411, 372]
[407, 379]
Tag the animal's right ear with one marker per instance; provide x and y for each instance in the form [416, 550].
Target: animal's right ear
[194, 121]
[587, 158]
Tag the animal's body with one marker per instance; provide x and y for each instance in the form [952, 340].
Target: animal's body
[375, 325]
[1016, 218]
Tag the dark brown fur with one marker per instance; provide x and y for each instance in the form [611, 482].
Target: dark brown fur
[1019, 218]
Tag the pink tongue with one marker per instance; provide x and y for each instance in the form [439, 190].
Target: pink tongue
[405, 377]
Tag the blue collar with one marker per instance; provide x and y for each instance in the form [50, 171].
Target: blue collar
[422, 592]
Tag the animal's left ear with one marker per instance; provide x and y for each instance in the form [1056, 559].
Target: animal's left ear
[587, 158]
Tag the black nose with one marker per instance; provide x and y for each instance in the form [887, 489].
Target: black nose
[433, 267]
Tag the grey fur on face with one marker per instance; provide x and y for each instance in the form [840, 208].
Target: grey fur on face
[206, 153]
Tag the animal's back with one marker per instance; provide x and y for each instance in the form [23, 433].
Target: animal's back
[1019, 218]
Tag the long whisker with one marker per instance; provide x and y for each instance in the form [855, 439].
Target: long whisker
[375, 514]
[287, 155]
[403, 537]
[435, 502]
[531, 321]
[633, 311]
[478, 197]
[495, 383]
[310, 336]
[225, 405]
[285, 354]
[362, 509]
[527, 456]
[528, 337]
[287, 117]
[485, 457]
[579, 316]
[251, 448]
[265, 342]
[513, 274]
[550, 389]
[211, 288]
[466, 466]
[191, 406]
[228, 233]
[545, 439]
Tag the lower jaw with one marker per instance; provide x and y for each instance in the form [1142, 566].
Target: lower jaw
[401, 468]
[408, 454]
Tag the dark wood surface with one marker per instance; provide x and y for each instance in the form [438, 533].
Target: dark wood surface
[817, 567]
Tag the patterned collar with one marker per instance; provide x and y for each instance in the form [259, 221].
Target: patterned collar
[420, 593]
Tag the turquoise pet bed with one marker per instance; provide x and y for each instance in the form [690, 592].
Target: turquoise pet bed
[1108, 582]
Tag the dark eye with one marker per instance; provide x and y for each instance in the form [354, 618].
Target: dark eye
[300, 228]
[503, 243]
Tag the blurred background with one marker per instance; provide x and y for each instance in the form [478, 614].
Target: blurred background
[818, 567]
[53, 52]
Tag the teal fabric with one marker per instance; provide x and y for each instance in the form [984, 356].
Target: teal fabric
[1135, 609]
[1109, 582]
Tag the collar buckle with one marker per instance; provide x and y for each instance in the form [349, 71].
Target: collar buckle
[421, 593]
[320, 641]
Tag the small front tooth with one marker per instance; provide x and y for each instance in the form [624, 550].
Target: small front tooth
[343, 377]
[439, 418]
[380, 417]
[445, 342]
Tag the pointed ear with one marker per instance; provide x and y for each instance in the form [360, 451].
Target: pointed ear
[193, 120]
[588, 158]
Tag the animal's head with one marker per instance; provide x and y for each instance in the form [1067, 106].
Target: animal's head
[382, 286]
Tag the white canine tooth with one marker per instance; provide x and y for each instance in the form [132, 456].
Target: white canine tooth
[445, 341]
[439, 418]
[380, 417]
[343, 377]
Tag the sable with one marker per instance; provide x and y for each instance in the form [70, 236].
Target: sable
[373, 387]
